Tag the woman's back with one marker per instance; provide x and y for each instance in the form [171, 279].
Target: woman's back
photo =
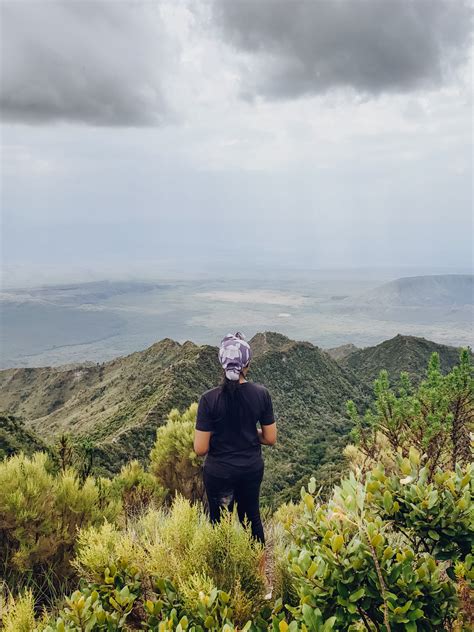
[232, 418]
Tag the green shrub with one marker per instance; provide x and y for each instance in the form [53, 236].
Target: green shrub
[173, 460]
[105, 553]
[181, 540]
[436, 516]
[87, 610]
[283, 584]
[138, 489]
[40, 513]
[18, 615]
[436, 418]
[347, 561]
[230, 557]
[178, 554]
[167, 536]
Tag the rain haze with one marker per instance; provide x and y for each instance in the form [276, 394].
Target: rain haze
[232, 153]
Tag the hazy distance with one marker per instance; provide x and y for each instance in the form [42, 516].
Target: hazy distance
[236, 157]
[97, 321]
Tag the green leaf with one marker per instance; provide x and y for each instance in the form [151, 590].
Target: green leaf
[387, 500]
[355, 596]
[336, 542]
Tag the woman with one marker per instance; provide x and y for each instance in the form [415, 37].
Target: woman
[226, 431]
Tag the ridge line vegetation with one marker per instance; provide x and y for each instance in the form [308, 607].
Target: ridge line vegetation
[388, 548]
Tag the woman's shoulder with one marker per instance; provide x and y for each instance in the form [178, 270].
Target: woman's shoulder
[212, 392]
[256, 386]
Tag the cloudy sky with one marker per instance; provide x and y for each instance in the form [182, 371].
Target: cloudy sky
[186, 136]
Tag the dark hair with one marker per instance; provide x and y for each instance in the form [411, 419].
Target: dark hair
[235, 404]
[229, 387]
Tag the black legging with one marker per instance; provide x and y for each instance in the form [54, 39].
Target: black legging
[243, 489]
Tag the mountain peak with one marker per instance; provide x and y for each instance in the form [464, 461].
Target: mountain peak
[435, 290]
[266, 341]
[400, 353]
[342, 351]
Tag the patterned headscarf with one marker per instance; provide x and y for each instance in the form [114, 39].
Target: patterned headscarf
[234, 354]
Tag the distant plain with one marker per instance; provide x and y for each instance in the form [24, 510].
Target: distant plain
[97, 321]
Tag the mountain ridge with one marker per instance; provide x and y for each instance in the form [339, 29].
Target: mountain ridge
[118, 405]
[400, 353]
[423, 290]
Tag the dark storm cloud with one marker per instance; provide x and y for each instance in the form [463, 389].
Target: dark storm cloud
[94, 62]
[373, 46]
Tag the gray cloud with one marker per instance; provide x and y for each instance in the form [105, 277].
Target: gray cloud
[94, 62]
[373, 46]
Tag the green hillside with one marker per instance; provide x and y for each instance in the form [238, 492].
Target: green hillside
[309, 391]
[401, 353]
[118, 405]
[14, 437]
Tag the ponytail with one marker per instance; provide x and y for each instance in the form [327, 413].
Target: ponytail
[229, 387]
[234, 403]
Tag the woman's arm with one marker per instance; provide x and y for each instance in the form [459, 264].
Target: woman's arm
[201, 442]
[268, 434]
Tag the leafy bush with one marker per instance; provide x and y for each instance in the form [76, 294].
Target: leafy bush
[227, 554]
[18, 615]
[107, 553]
[173, 460]
[166, 559]
[84, 610]
[167, 537]
[436, 418]
[138, 489]
[349, 562]
[40, 513]
[437, 516]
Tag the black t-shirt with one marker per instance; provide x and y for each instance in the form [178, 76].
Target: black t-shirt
[234, 445]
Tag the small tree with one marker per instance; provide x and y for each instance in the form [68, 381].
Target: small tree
[64, 452]
[40, 513]
[173, 460]
[436, 419]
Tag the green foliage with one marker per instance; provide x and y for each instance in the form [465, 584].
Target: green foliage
[229, 556]
[389, 550]
[310, 619]
[18, 615]
[15, 437]
[436, 418]
[349, 562]
[87, 610]
[436, 516]
[173, 460]
[166, 547]
[138, 489]
[167, 538]
[40, 513]
[108, 555]
[205, 608]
